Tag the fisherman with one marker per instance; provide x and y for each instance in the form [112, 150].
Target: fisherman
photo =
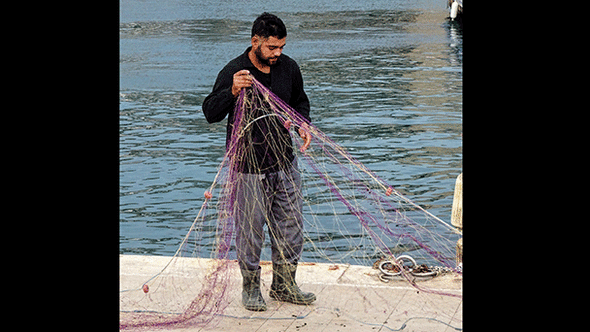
[270, 192]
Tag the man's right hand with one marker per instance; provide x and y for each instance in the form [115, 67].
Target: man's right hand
[242, 79]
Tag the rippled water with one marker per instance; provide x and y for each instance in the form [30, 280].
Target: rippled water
[384, 79]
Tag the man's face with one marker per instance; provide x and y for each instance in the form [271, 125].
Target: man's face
[268, 50]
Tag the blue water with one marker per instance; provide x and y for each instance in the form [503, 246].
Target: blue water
[384, 79]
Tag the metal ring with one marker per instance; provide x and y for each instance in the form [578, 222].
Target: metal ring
[402, 257]
[384, 278]
[424, 274]
[400, 263]
[387, 273]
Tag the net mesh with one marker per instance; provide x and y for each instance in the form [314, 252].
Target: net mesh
[351, 217]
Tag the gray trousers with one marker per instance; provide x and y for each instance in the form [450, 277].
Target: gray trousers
[273, 199]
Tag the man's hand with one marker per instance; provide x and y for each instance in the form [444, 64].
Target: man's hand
[306, 136]
[242, 79]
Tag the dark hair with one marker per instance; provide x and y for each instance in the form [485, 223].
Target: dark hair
[267, 25]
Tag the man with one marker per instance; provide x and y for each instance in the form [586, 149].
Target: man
[270, 191]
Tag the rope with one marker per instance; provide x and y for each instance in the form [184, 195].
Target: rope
[431, 271]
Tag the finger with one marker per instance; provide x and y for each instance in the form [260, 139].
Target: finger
[244, 84]
[307, 139]
[246, 79]
[306, 136]
[242, 73]
[287, 124]
[242, 79]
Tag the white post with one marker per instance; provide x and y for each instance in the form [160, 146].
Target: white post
[457, 214]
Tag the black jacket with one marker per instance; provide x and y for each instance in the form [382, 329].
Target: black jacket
[285, 81]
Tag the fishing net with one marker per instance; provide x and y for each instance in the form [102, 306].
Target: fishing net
[352, 220]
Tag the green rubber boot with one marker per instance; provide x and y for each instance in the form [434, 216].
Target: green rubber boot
[251, 296]
[284, 288]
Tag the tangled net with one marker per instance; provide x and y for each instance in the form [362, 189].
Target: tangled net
[350, 215]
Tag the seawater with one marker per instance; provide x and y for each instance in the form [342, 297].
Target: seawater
[384, 79]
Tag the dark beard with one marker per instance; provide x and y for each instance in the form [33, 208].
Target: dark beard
[258, 53]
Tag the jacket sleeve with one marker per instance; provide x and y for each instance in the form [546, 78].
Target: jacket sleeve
[220, 101]
[299, 100]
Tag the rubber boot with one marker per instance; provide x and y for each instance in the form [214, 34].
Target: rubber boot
[251, 296]
[284, 288]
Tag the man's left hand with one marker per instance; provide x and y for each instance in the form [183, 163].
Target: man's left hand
[306, 136]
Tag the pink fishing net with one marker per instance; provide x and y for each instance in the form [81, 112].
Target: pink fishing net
[351, 217]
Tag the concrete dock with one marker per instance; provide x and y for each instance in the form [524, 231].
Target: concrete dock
[349, 298]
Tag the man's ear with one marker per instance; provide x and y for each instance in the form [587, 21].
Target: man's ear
[256, 41]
